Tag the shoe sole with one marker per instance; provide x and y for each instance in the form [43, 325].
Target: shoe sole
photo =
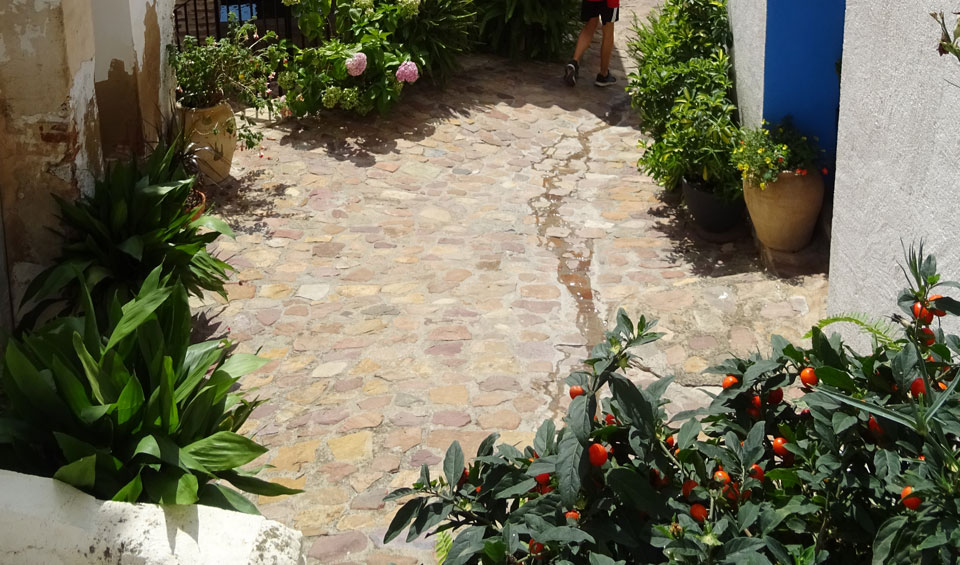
[604, 84]
[570, 75]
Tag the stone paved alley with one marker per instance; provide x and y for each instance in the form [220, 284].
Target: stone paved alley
[433, 275]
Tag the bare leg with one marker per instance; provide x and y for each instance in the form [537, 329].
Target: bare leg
[586, 36]
[606, 48]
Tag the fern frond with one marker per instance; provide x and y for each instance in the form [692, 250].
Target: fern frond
[442, 546]
[876, 327]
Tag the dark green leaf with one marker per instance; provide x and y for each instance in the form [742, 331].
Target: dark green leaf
[80, 473]
[453, 464]
[403, 517]
[224, 450]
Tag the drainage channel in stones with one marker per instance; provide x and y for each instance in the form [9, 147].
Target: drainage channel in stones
[574, 255]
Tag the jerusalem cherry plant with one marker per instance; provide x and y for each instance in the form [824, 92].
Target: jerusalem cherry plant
[806, 455]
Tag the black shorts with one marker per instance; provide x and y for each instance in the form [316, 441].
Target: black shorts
[590, 10]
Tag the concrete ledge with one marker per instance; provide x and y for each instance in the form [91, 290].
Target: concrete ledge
[43, 521]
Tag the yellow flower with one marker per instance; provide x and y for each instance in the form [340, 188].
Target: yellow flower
[241, 76]
[760, 150]
[763, 185]
[766, 132]
[746, 167]
[767, 160]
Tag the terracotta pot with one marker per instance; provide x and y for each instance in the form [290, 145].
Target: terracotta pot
[214, 131]
[784, 214]
[709, 211]
[201, 207]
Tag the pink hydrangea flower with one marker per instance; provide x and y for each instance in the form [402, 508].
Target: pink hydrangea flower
[357, 64]
[408, 72]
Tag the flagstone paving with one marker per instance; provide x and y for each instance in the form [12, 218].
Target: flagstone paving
[432, 276]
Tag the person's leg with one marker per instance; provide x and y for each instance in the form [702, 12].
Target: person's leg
[606, 48]
[586, 36]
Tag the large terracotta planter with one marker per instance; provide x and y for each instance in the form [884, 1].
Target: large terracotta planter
[214, 132]
[709, 211]
[784, 214]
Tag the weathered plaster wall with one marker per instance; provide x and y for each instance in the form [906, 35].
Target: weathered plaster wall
[898, 174]
[50, 138]
[748, 21]
[134, 86]
[45, 521]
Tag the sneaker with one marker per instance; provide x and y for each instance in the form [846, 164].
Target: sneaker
[605, 80]
[570, 73]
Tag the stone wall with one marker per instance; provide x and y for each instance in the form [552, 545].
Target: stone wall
[898, 176]
[46, 521]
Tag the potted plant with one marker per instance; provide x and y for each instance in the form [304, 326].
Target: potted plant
[782, 186]
[694, 153]
[213, 74]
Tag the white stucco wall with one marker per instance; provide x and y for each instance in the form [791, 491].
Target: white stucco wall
[748, 21]
[46, 522]
[898, 162]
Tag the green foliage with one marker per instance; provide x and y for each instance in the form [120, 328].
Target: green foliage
[542, 29]
[879, 330]
[430, 33]
[828, 489]
[696, 143]
[948, 41]
[232, 69]
[135, 220]
[763, 153]
[439, 33]
[681, 47]
[135, 413]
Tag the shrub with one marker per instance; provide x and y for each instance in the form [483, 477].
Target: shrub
[541, 29]
[429, 33]
[136, 219]
[135, 413]
[697, 141]
[862, 466]
[676, 51]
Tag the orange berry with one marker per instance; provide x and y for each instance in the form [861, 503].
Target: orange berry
[687, 488]
[756, 401]
[937, 313]
[874, 426]
[575, 391]
[730, 381]
[572, 515]
[911, 502]
[543, 478]
[756, 472]
[670, 442]
[917, 387]
[699, 512]
[921, 313]
[598, 455]
[927, 336]
[721, 476]
[809, 377]
[753, 413]
[780, 446]
[775, 396]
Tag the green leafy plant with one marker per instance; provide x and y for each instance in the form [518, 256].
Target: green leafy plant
[763, 154]
[136, 219]
[948, 41]
[441, 31]
[237, 68]
[542, 29]
[676, 50]
[861, 464]
[131, 411]
[696, 144]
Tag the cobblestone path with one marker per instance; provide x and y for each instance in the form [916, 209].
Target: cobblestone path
[434, 275]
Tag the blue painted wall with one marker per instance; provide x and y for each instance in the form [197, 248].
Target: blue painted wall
[803, 44]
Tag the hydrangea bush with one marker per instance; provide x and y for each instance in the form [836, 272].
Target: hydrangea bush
[371, 51]
[808, 455]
